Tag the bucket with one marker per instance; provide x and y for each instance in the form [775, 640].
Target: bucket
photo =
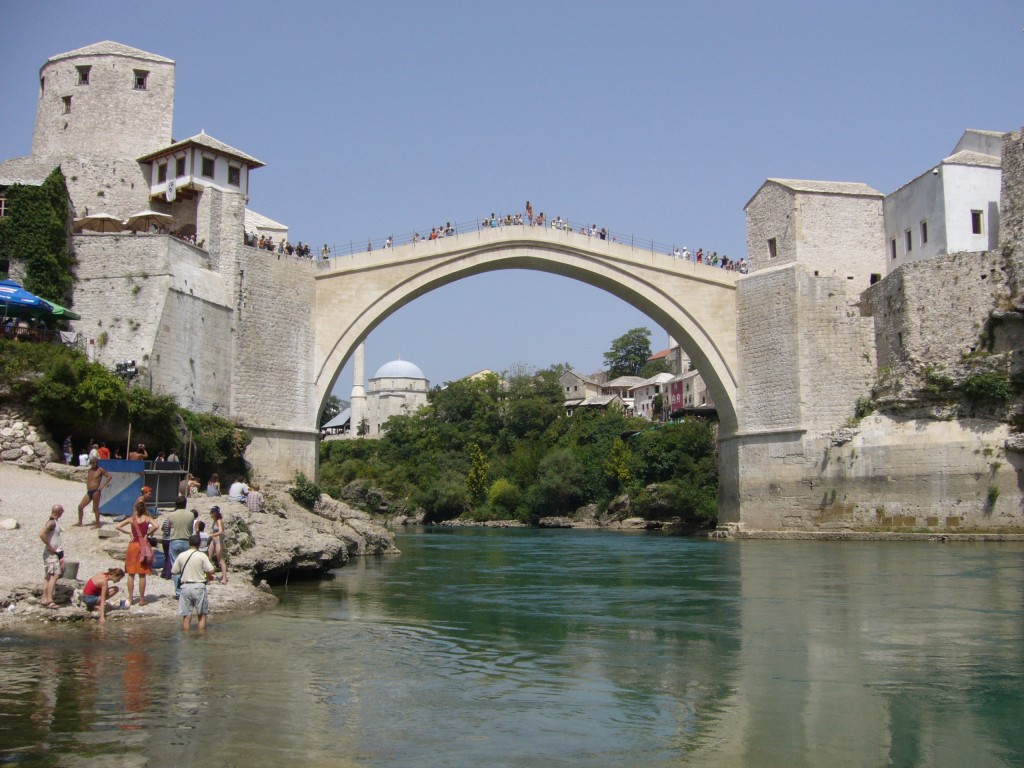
[70, 569]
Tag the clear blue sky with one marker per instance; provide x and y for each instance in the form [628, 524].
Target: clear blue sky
[658, 119]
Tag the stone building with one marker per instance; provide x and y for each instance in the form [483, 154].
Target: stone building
[398, 388]
[830, 228]
[177, 301]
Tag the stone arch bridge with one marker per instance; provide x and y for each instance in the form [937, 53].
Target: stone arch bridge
[783, 351]
[694, 302]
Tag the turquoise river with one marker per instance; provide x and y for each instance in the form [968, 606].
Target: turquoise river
[557, 648]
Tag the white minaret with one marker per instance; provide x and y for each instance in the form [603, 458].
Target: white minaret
[358, 398]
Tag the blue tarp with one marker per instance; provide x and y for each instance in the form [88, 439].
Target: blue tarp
[126, 481]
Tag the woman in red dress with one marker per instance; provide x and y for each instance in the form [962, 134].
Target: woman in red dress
[138, 527]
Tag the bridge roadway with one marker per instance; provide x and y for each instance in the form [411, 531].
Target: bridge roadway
[695, 303]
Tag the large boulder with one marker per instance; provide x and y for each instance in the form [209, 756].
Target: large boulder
[287, 541]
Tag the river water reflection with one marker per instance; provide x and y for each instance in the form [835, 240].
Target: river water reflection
[558, 648]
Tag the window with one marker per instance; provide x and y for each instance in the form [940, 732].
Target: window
[67, 104]
[908, 241]
[42, 85]
[83, 75]
[773, 248]
[141, 79]
[892, 248]
[208, 167]
[976, 223]
[3, 206]
[924, 232]
[234, 175]
[161, 173]
[179, 167]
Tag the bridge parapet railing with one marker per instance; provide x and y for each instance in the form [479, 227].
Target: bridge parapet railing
[647, 245]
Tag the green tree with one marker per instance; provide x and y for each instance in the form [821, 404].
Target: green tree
[629, 353]
[331, 409]
[559, 487]
[476, 480]
[616, 466]
[654, 367]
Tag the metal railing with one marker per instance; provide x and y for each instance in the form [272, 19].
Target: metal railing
[353, 247]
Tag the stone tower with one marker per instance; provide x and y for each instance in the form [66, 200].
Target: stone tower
[101, 108]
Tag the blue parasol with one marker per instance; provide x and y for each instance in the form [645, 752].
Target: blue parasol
[15, 300]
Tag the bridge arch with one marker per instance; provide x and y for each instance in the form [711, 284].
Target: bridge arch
[693, 302]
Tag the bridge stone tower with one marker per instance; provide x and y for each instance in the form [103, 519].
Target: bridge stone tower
[100, 108]
[805, 353]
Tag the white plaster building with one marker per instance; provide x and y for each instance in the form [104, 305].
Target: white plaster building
[398, 388]
[644, 393]
[950, 208]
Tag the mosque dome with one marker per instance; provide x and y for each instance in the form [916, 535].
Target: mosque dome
[399, 369]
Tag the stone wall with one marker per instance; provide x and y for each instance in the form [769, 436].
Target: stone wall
[153, 299]
[273, 389]
[1011, 211]
[805, 356]
[768, 391]
[771, 214]
[23, 440]
[934, 312]
[886, 474]
[842, 236]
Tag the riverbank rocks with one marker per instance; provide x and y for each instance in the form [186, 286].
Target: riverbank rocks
[288, 541]
[22, 439]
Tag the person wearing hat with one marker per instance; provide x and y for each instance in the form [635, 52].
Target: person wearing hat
[145, 497]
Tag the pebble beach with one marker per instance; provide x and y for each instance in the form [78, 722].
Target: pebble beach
[26, 496]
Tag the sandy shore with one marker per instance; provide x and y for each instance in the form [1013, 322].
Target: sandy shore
[26, 495]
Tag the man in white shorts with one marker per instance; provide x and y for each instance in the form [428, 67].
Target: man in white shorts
[195, 570]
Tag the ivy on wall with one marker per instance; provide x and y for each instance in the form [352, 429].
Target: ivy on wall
[36, 233]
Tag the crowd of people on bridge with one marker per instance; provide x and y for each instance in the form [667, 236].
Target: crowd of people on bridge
[518, 219]
[283, 247]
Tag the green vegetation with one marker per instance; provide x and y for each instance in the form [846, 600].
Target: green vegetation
[36, 233]
[305, 491]
[488, 449]
[935, 382]
[993, 496]
[629, 356]
[71, 395]
[986, 388]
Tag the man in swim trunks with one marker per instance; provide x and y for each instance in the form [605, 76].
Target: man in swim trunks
[95, 482]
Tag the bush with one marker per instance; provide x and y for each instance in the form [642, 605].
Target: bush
[218, 443]
[444, 499]
[304, 491]
[696, 506]
[504, 497]
[986, 388]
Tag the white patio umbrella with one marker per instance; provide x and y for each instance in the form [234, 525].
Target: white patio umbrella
[99, 222]
[143, 220]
